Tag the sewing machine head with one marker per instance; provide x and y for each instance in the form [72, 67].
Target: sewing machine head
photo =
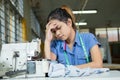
[14, 56]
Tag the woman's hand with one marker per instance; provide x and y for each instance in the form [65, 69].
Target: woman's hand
[50, 31]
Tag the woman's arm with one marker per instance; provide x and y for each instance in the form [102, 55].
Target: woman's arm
[48, 53]
[48, 38]
[96, 59]
[47, 50]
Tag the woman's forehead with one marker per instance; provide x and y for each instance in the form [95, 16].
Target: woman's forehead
[57, 22]
[54, 20]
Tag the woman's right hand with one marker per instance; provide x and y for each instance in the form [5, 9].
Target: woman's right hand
[49, 34]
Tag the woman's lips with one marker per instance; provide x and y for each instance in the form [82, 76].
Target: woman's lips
[60, 37]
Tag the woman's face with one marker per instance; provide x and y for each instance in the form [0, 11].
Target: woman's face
[61, 29]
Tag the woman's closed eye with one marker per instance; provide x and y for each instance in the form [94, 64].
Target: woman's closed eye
[53, 30]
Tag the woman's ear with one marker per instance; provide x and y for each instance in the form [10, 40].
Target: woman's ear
[69, 22]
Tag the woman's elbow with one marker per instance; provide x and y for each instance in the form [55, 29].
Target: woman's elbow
[99, 64]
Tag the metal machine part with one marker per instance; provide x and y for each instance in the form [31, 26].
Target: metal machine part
[38, 68]
[31, 67]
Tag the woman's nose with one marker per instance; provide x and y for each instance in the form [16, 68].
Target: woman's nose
[57, 33]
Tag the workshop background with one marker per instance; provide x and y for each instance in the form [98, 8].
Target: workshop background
[24, 20]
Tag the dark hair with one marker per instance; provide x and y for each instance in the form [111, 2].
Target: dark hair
[61, 15]
[69, 10]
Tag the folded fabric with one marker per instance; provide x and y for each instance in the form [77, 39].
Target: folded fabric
[56, 70]
[59, 70]
[72, 71]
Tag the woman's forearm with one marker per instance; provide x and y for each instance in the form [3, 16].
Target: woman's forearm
[47, 50]
[91, 65]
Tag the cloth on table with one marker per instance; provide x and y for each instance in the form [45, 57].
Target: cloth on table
[59, 70]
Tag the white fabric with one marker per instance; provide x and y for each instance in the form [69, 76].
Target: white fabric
[59, 70]
[56, 70]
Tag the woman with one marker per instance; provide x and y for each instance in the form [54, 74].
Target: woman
[66, 45]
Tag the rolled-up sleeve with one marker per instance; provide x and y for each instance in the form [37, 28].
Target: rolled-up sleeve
[92, 40]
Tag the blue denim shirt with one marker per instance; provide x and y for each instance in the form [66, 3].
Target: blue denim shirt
[76, 55]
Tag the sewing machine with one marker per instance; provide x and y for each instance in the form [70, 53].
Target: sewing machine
[16, 59]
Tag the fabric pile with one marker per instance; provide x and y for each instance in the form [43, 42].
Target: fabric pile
[59, 70]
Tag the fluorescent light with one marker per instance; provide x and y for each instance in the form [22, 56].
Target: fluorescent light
[81, 23]
[85, 12]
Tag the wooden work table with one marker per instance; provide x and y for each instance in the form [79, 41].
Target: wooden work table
[112, 66]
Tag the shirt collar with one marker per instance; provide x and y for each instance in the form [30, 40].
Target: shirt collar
[63, 45]
[77, 40]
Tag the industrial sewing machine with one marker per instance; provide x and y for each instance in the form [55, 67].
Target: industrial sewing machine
[16, 59]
